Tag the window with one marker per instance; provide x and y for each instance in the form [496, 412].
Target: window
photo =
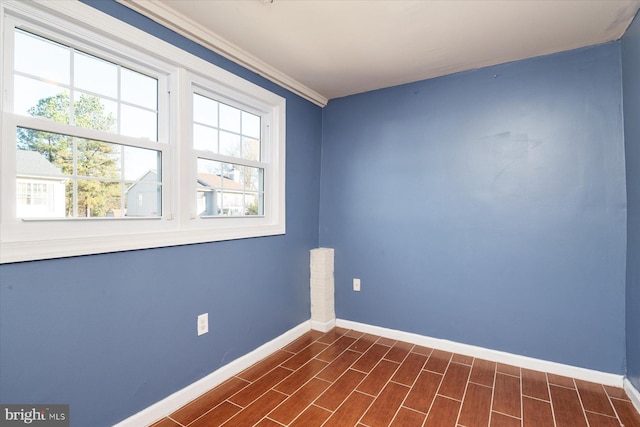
[71, 87]
[32, 194]
[114, 140]
[221, 131]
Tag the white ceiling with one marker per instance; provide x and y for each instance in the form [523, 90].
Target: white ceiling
[325, 49]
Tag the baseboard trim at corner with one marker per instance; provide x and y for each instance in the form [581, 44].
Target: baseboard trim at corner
[633, 393]
[180, 398]
[488, 354]
[323, 326]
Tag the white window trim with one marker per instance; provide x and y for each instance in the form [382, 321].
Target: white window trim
[178, 225]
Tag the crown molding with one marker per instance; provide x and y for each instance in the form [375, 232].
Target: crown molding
[167, 17]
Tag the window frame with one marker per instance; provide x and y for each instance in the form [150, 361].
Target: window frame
[90, 30]
[210, 89]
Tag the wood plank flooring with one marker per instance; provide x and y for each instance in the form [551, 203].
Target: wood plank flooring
[346, 378]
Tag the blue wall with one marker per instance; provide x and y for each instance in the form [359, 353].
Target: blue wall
[486, 207]
[631, 96]
[112, 334]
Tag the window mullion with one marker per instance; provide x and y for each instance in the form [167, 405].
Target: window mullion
[183, 169]
[48, 125]
[74, 182]
[202, 154]
[72, 87]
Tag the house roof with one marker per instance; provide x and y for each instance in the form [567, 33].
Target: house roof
[216, 181]
[34, 164]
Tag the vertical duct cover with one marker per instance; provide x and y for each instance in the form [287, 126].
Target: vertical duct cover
[322, 286]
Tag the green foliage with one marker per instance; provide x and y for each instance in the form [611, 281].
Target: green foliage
[94, 159]
[252, 209]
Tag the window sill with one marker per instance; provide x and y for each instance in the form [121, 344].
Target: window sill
[18, 251]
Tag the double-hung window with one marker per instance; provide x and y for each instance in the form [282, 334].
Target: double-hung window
[113, 140]
[86, 124]
[227, 150]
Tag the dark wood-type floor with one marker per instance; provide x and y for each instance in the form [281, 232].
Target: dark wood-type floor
[346, 378]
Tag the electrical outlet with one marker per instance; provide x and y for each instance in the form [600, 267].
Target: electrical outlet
[356, 285]
[203, 324]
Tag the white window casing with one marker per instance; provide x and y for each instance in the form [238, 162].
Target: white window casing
[178, 73]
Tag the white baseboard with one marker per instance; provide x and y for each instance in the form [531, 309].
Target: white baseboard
[180, 398]
[488, 354]
[323, 326]
[633, 393]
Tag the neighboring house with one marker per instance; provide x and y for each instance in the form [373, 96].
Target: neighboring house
[144, 196]
[216, 195]
[40, 187]
[219, 195]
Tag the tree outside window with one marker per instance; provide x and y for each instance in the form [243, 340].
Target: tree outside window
[94, 189]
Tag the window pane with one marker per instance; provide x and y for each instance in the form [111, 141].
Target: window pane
[237, 136]
[139, 89]
[230, 144]
[232, 203]
[86, 178]
[253, 179]
[98, 103]
[253, 205]
[205, 110]
[36, 98]
[144, 197]
[209, 186]
[205, 138]
[228, 189]
[138, 123]
[97, 159]
[40, 186]
[250, 125]
[97, 199]
[95, 75]
[38, 197]
[94, 112]
[250, 149]
[41, 58]
[229, 118]
[43, 154]
[209, 167]
[139, 162]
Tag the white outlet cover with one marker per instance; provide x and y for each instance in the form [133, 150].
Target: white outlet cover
[356, 285]
[203, 324]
